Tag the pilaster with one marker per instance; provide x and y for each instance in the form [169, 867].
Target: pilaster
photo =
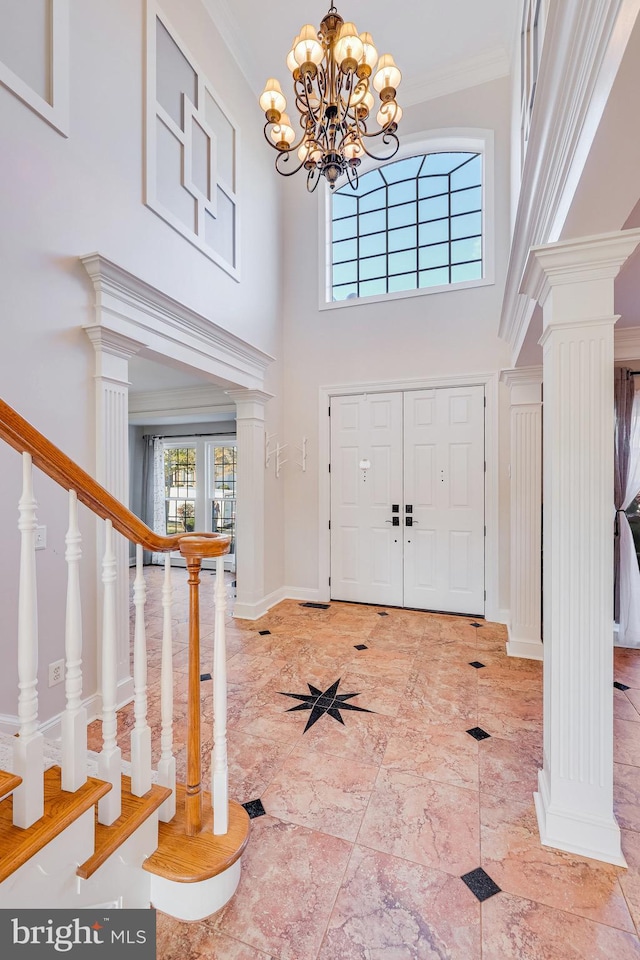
[250, 542]
[525, 485]
[574, 283]
[113, 352]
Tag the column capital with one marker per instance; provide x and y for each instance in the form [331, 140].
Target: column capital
[108, 341]
[524, 385]
[598, 257]
[250, 404]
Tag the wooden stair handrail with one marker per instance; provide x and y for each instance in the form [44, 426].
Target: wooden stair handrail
[24, 438]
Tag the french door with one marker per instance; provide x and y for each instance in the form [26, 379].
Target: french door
[407, 499]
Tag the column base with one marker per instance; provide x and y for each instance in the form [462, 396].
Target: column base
[586, 836]
[527, 649]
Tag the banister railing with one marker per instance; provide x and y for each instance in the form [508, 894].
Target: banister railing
[40, 452]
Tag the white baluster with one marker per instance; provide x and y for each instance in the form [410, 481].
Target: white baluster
[109, 761]
[167, 765]
[219, 771]
[74, 718]
[141, 734]
[28, 799]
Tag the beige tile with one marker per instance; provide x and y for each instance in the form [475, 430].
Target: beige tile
[513, 856]
[390, 909]
[434, 751]
[517, 929]
[509, 768]
[626, 795]
[435, 824]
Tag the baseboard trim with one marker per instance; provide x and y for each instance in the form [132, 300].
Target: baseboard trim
[9, 724]
[525, 649]
[253, 611]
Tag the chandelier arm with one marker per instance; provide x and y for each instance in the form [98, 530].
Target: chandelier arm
[387, 138]
[313, 179]
[282, 158]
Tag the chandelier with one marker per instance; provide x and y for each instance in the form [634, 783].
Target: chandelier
[333, 71]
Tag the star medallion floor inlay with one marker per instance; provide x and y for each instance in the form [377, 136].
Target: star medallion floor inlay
[320, 702]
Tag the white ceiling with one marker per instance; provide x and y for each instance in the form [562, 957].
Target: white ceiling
[429, 39]
[148, 375]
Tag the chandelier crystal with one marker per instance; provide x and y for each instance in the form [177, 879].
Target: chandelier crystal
[335, 72]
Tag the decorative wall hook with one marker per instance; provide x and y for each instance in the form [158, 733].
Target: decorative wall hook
[302, 450]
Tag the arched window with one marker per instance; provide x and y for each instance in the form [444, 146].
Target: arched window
[412, 224]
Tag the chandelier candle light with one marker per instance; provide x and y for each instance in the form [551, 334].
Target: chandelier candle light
[332, 73]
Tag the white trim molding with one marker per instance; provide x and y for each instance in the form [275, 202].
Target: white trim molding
[490, 382]
[571, 94]
[128, 305]
[525, 487]
[55, 109]
[197, 402]
[626, 343]
[492, 64]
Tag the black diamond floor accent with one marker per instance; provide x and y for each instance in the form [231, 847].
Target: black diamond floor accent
[620, 686]
[474, 624]
[480, 884]
[478, 734]
[205, 676]
[361, 646]
[320, 702]
[476, 664]
[316, 606]
[264, 633]
[382, 613]
[254, 808]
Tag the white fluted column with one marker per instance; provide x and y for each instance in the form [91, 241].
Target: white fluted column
[574, 283]
[525, 487]
[113, 352]
[250, 413]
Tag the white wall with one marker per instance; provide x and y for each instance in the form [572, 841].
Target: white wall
[61, 198]
[445, 333]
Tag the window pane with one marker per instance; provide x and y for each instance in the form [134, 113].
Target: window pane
[402, 262]
[402, 192]
[373, 267]
[373, 288]
[346, 292]
[432, 186]
[434, 256]
[469, 175]
[373, 222]
[435, 232]
[405, 282]
[375, 200]
[368, 182]
[345, 250]
[468, 225]
[444, 162]
[466, 200]
[402, 169]
[402, 216]
[463, 250]
[344, 205]
[345, 229]
[434, 278]
[434, 209]
[402, 239]
[345, 272]
[373, 244]
[466, 271]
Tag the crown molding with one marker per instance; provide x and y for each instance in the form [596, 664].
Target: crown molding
[521, 376]
[493, 64]
[147, 317]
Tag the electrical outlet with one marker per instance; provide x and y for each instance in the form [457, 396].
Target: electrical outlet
[41, 540]
[56, 672]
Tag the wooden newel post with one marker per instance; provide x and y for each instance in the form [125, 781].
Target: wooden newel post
[194, 548]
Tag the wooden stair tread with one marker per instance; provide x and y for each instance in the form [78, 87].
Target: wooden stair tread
[135, 810]
[8, 782]
[61, 809]
[193, 859]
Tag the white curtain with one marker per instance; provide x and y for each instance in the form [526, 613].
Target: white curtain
[159, 514]
[629, 630]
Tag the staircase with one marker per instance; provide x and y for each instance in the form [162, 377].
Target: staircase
[79, 829]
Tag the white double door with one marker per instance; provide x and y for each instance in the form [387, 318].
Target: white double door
[407, 499]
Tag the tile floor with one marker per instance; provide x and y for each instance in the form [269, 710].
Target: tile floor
[372, 818]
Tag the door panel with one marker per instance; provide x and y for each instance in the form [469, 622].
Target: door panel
[366, 550]
[444, 483]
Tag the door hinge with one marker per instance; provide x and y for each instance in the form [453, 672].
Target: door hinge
[485, 594]
[329, 581]
[485, 401]
[329, 411]
[485, 529]
[329, 524]
[485, 466]
[329, 468]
